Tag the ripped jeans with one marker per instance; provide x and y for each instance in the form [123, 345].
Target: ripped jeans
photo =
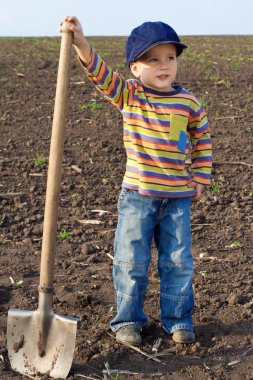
[140, 220]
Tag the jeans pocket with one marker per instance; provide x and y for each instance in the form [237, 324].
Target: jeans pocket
[122, 197]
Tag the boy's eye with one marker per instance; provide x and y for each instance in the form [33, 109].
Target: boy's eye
[154, 59]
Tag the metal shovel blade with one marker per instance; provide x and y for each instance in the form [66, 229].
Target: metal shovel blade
[34, 349]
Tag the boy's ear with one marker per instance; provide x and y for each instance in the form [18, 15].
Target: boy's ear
[134, 69]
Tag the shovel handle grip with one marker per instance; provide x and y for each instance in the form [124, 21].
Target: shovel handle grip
[55, 163]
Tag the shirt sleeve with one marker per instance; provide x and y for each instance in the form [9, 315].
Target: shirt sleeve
[201, 153]
[108, 82]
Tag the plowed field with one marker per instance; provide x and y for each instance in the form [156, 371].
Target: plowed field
[219, 71]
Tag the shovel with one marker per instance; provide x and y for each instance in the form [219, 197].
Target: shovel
[41, 342]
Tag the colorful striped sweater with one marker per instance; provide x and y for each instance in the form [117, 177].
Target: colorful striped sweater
[161, 130]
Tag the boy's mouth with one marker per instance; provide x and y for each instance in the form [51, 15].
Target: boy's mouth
[163, 77]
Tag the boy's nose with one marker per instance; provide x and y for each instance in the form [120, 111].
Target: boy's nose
[164, 64]
[165, 60]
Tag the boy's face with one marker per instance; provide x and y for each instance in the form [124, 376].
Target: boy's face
[157, 68]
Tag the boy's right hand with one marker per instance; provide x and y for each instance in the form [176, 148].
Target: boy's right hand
[76, 28]
[79, 41]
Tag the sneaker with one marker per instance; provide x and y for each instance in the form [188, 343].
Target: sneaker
[183, 336]
[129, 334]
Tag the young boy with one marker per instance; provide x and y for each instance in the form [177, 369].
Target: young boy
[162, 124]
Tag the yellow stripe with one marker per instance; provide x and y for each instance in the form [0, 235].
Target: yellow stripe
[153, 186]
[201, 153]
[167, 171]
[156, 152]
[148, 132]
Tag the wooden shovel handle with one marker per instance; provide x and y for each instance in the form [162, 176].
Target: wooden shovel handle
[55, 163]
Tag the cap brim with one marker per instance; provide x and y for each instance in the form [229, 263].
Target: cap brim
[178, 44]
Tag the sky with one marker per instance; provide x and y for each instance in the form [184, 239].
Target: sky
[118, 18]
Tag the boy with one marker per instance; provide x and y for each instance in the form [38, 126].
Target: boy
[162, 124]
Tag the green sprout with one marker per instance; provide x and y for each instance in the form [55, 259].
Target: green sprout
[214, 78]
[236, 244]
[215, 188]
[116, 377]
[96, 106]
[203, 273]
[105, 181]
[227, 83]
[5, 79]
[64, 234]
[21, 67]
[82, 107]
[39, 161]
[248, 193]
[203, 102]
[75, 196]
[237, 66]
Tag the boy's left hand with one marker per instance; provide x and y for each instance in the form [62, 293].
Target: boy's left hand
[199, 188]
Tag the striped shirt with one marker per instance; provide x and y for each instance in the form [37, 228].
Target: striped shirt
[161, 131]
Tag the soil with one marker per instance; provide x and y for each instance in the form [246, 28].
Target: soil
[218, 70]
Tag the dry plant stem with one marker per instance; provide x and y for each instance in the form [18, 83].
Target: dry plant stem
[232, 163]
[139, 350]
[228, 117]
[10, 195]
[87, 377]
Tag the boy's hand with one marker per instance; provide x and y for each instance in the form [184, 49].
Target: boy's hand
[199, 188]
[79, 41]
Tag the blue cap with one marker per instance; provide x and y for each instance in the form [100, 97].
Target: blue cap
[148, 35]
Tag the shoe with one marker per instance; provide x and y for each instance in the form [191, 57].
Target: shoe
[129, 334]
[183, 336]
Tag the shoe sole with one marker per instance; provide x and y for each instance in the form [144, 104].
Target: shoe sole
[125, 342]
[183, 341]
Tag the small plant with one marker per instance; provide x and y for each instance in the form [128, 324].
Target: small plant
[96, 106]
[203, 102]
[5, 79]
[116, 377]
[237, 66]
[105, 181]
[245, 109]
[214, 78]
[63, 234]
[82, 107]
[216, 188]
[39, 161]
[203, 273]
[236, 244]
[227, 84]
[21, 68]
[248, 193]
[75, 196]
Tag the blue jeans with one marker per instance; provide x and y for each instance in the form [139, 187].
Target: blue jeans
[140, 220]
